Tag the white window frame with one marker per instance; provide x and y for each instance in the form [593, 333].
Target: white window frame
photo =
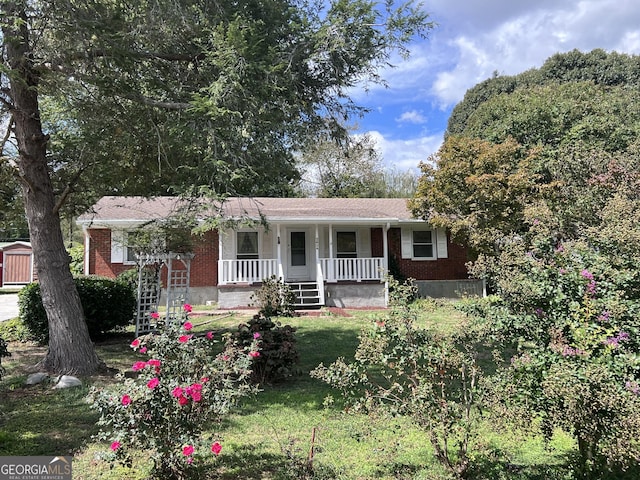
[438, 240]
[338, 253]
[258, 244]
[432, 233]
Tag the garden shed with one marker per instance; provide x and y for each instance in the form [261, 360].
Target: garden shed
[16, 264]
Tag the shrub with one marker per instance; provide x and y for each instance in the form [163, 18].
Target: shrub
[107, 305]
[274, 298]
[400, 369]
[571, 313]
[14, 330]
[185, 384]
[278, 352]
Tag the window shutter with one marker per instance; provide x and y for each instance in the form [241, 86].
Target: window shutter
[441, 243]
[407, 242]
[117, 246]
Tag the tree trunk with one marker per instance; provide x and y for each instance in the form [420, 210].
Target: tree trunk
[70, 348]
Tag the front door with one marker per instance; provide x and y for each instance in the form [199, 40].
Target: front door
[298, 254]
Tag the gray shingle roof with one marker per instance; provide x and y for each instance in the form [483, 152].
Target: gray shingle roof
[139, 209]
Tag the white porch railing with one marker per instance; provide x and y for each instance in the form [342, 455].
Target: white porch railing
[353, 269]
[246, 271]
[333, 270]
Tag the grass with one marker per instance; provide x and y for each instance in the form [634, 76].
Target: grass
[271, 435]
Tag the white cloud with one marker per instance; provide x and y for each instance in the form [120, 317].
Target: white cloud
[406, 154]
[412, 116]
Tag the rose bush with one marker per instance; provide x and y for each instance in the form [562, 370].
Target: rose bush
[182, 386]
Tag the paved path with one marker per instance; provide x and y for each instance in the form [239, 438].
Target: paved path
[8, 306]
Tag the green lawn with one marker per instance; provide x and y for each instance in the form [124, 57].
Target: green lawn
[270, 436]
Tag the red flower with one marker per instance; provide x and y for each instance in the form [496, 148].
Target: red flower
[116, 445]
[135, 344]
[210, 335]
[184, 338]
[138, 366]
[177, 392]
[153, 383]
[253, 354]
[187, 326]
[126, 400]
[155, 315]
[182, 400]
[216, 448]
[187, 308]
[187, 450]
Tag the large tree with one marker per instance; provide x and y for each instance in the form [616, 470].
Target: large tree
[154, 96]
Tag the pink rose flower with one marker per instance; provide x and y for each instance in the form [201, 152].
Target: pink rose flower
[256, 335]
[177, 392]
[143, 350]
[153, 383]
[155, 315]
[187, 450]
[184, 338]
[125, 400]
[253, 354]
[216, 448]
[135, 344]
[138, 366]
[210, 335]
[116, 445]
[187, 326]
[187, 308]
[182, 400]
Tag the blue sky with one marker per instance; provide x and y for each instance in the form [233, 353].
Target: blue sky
[473, 39]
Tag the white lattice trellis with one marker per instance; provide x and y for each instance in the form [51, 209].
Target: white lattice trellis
[150, 267]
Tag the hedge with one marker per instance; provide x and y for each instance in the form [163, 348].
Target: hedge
[107, 304]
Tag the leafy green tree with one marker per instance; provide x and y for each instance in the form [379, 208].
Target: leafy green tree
[477, 189]
[220, 93]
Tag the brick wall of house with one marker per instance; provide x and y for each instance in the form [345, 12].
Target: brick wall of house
[451, 268]
[204, 265]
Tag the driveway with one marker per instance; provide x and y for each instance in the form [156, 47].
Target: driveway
[8, 306]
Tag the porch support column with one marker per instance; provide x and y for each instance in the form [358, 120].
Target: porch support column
[279, 254]
[385, 267]
[319, 272]
[87, 253]
[331, 274]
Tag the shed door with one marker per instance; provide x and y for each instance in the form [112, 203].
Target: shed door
[17, 268]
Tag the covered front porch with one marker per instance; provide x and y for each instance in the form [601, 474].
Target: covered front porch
[311, 259]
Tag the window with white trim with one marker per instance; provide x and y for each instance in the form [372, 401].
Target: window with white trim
[422, 244]
[247, 245]
[346, 245]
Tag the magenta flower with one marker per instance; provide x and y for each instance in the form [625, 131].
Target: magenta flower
[254, 354]
[184, 338]
[125, 400]
[187, 326]
[153, 383]
[138, 366]
[177, 392]
[216, 448]
[135, 344]
[115, 446]
[256, 335]
[143, 350]
[210, 335]
[182, 400]
[187, 308]
[587, 274]
[155, 315]
[187, 450]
